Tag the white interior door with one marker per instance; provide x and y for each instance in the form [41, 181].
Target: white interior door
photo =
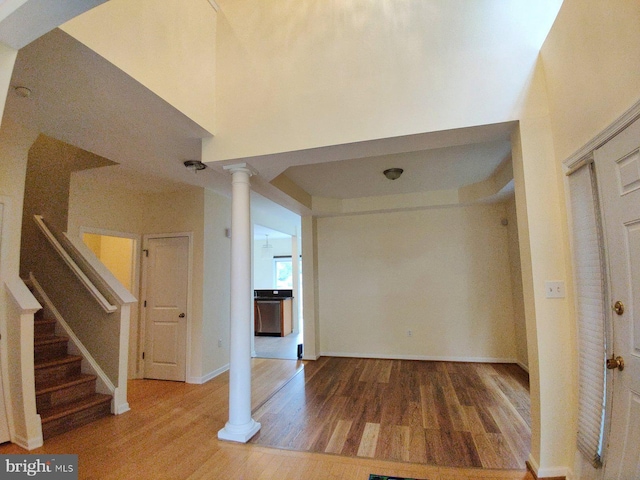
[618, 170]
[4, 424]
[166, 285]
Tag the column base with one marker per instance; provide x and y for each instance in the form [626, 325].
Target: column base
[239, 433]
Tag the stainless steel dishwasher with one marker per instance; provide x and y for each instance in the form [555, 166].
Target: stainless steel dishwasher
[270, 319]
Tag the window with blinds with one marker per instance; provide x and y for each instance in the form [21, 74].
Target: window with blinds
[590, 301]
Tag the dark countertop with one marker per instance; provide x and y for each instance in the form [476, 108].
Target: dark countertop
[274, 294]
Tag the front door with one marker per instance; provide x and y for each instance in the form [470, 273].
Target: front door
[166, 282]
[618, 170]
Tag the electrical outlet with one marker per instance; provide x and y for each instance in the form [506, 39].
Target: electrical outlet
[554, 289]
[219, 342]
[409, 333]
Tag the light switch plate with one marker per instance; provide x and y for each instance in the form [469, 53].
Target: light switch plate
[555, 289]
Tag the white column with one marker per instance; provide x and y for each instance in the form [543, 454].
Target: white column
[240, 427]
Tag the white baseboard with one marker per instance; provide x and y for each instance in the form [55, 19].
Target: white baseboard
[311, 357]
[208, 376]
[549, 472]
[434, 358]
[28, 444]
[120, 409]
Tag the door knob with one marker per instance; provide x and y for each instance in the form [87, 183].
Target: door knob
[615, 362]
[618, 307]
[181, 315]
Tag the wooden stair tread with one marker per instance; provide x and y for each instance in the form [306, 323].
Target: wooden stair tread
[59, 385]
[60, 411]
[44, 321]
[57, 361]
[40, 340]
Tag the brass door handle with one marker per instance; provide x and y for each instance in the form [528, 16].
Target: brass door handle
[617, 362]
[618, 307]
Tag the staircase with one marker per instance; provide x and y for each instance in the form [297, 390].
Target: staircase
[65, 397]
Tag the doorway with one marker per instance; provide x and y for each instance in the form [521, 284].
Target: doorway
[120, 253]
[618, 172]
[277, 275]
[165, 296]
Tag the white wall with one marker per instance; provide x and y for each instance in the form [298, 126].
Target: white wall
[441, 273]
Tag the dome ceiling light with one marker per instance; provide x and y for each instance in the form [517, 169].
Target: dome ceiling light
[194, 165]
[393, 173]
[23, 92]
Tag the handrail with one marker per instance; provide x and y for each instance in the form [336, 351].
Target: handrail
[104, 303]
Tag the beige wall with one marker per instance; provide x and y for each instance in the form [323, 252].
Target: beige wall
[202, 213]
[441, 273]
[216, 284]
[167, 45]
[591, 61]
[295, 75]
[15, 142]
[592, 64]
[116, 253]
[179, 212]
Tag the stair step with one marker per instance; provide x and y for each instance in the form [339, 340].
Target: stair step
[44, 327]
[62, 418]
[50, 371]
[49, 395]
[49, 347]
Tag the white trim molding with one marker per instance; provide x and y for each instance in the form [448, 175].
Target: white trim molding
[583, 154]
[28, 443]
[208, 376]
[102, 301]
[549, 472]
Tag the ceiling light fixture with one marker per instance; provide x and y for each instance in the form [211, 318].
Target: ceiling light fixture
[23, 92]
[267, 248]
[194, 165]
[393, 173]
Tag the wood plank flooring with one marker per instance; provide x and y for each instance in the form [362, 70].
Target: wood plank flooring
[437, 413]
[171, 433]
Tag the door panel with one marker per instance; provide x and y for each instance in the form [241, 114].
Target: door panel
[618, 169]
[166, 297]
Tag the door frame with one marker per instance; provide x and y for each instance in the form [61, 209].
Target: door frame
[142, 319]
[6, 413]
[134, 352]
[582, 155]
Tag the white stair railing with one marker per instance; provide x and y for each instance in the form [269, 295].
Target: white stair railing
[102, 301]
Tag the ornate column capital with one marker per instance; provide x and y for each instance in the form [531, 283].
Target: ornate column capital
[241, 167]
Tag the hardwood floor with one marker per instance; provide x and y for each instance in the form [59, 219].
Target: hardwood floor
[171, 430]
[437, 413]
[285, 348]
